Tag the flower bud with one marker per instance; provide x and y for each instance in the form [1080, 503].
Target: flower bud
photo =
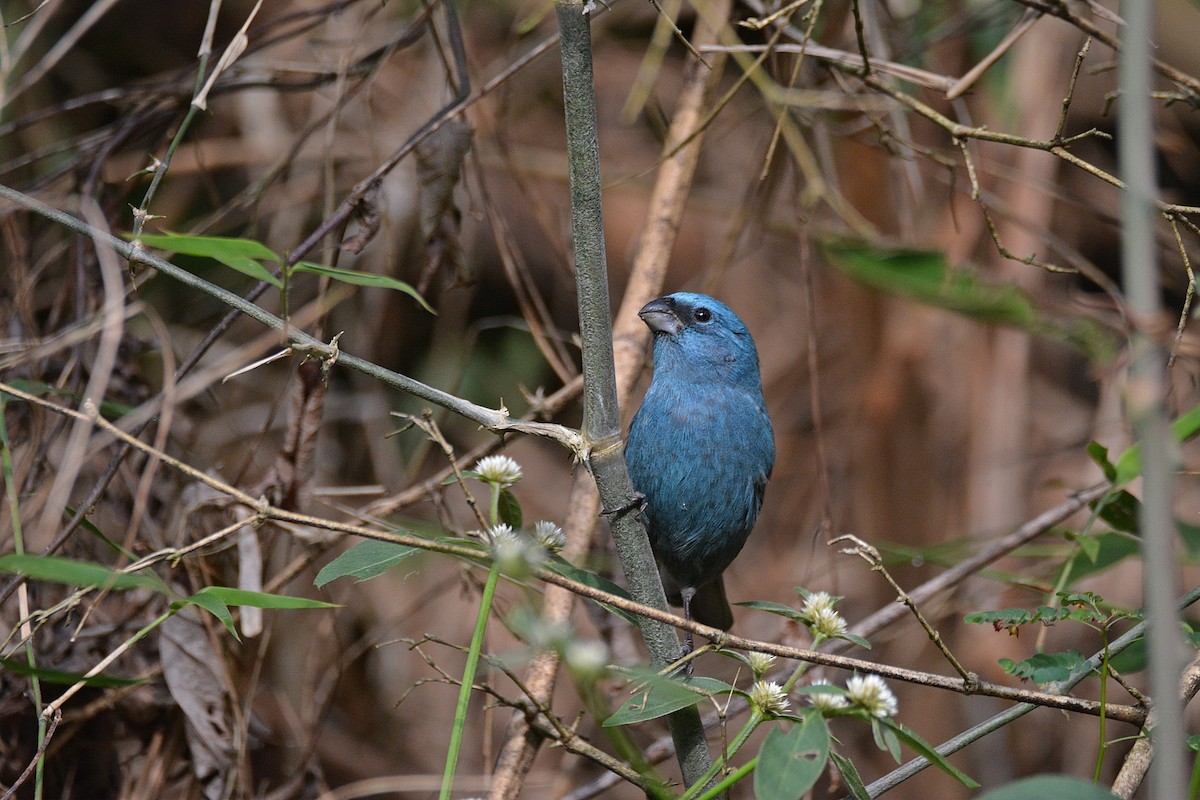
[760, 662]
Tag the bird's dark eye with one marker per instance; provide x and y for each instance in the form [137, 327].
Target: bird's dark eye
[702, 314]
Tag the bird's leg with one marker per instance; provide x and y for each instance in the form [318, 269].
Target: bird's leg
[636, 503]
[687, 592]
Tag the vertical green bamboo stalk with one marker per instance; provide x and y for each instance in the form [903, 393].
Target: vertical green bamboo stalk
[601, 417]
[1147, 391]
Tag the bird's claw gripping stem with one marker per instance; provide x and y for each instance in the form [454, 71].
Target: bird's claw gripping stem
[636, 503]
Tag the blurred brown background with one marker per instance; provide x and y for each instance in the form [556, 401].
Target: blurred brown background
[931, 431]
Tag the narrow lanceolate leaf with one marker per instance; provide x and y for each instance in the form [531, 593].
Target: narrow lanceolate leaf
[568, 570]
[66, 678]
[854, 638]
[363, 279]
[365, 560]
[77, 573]
[213, 605]
[790, 762]
[773, 608]
[243, 597]
[926, 277]
[850, 777]
[243, 255]
[217, 247]
[217, 599]
[923, 748]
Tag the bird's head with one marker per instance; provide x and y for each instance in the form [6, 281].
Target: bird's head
[700, 340]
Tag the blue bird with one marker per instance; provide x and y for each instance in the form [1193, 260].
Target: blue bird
[700, 449]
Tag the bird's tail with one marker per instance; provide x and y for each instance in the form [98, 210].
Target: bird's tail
[709, 606]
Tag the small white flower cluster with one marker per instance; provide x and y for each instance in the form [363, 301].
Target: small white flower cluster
[507, 544]
[868, 692]
[510, 546]
[769, 698]
[871, 694]
[499, 471]
[549, 536]
[822, 618]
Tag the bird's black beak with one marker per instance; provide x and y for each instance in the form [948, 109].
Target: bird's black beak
[660, 316]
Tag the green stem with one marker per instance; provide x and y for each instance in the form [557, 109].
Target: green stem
[698, 787]
[494, 507]
[468, 680]
[1103, 699]
[160, 171]
[10, 490]
[730, 779]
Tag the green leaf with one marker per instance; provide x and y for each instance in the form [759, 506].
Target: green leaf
[713, 687]
[1132, 659]
[363, 279]
[924, 276]
[69, 678]
[1120, 510]
[855, 639]
[213, 605]
[773, 608]
[568, 570]
[790, 762]
[850, 777]
[1089, 546]
[242, 255]
[1129, 465]
[925, 749]
[244, 597]
[365, 560]
[1043, 668]
[657, 696]
[821, 688]
[1099, 454]
[885, 739]
[1003, 618]
[77, 573]
[510, 510]
[1059, 787]
[1106, 550]
[1190, 536]
[217, 599]
[218, 247]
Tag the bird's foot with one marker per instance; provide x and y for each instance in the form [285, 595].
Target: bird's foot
[636, 503]
[685, 656]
